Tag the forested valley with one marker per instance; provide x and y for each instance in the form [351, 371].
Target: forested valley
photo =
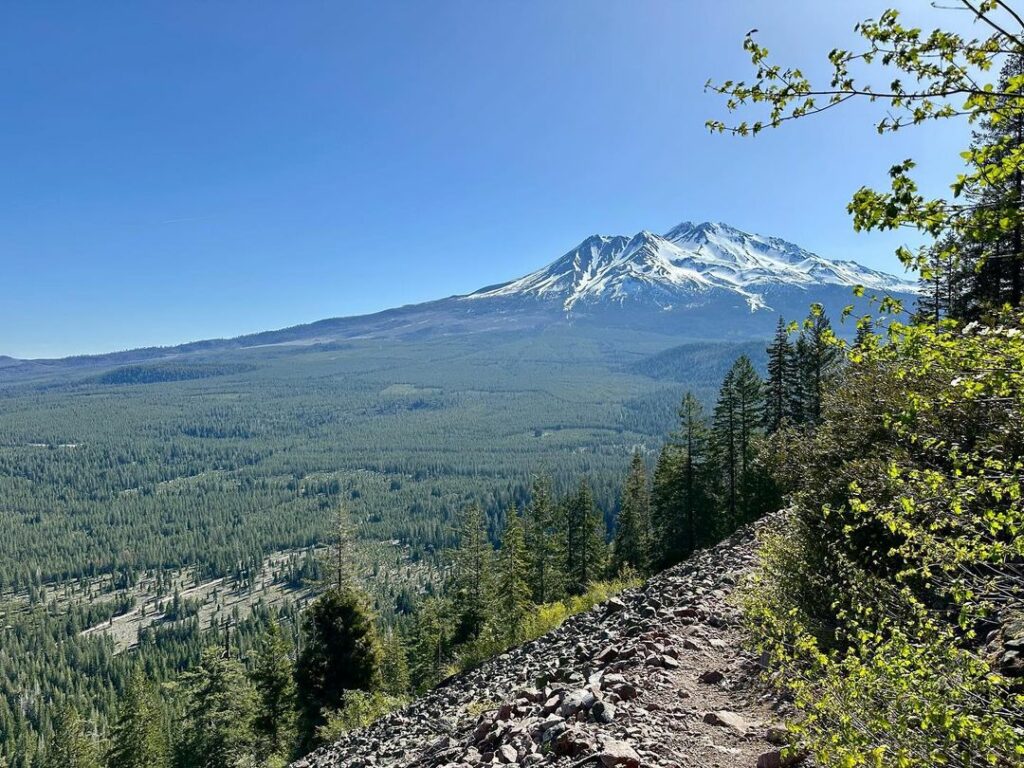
[506, 569]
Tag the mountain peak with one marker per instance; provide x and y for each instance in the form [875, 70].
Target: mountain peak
[688, 261]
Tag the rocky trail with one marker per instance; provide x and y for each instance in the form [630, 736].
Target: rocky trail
[655, 677]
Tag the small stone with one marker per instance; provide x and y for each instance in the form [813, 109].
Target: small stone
[575, 702]
[726, 719]
[777, 759]
[549, 722]
[618, 753]
[507, 754]
[572, 743]
[625, 691]
[1012, 664]
[603, 711]
[711, 677]
[482, 729]
[614, 605]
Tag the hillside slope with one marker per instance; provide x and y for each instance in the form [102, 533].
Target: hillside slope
[656, 677]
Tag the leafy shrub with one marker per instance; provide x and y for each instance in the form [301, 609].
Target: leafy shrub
[879, 591]
[359, 710]
[541, 620]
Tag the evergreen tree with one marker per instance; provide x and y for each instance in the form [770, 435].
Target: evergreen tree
[220, 709]
[865, 330]
[725, 431]
[633, 536]
[749, 394]
[273, 678]
[780, 386]
[991, 251]
[394, 668]
[340, 566]
[72, 746]
[513, 596]
[137, 738]
[545, 545]
[818, 360]
[585, 540]
[943, 283]
[681, 497]
[667, 506]
[472, 586]
[430, 639]
[736, 437]
[340, 653]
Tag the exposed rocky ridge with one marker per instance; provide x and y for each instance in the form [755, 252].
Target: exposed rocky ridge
[656, 677]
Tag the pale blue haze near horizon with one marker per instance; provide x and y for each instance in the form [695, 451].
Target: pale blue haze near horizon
[188, 170]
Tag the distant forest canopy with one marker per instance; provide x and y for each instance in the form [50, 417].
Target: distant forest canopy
[164, 465]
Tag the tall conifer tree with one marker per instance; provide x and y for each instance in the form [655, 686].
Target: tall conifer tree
[273, 677]
[682, 495]
[749, 394]
[585, 540]
[71, 746]
[137, 738]
[545, 545]
[431, 636]
[818, 360]
[633, 537]
[725, 444]
[473, 575]
[779, 389]
[219, 714]
[394, 669]
[513, 594]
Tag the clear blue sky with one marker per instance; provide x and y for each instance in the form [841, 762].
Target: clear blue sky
[184, 170]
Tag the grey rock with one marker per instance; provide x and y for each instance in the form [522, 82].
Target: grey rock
[618, 754]
[603, 711]
[726, 719]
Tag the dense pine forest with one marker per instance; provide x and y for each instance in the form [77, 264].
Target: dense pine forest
[124, 470]
[144, 511]
[269, 686]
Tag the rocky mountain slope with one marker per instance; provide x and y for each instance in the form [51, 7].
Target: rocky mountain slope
[656, 677]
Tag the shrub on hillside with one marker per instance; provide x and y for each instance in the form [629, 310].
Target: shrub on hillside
[885, 595]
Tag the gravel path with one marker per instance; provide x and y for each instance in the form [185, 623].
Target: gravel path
[656, 677]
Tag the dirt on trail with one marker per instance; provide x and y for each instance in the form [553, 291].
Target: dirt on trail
[656, 677]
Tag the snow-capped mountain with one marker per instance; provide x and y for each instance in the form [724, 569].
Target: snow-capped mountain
[685, 267]
[697, 282]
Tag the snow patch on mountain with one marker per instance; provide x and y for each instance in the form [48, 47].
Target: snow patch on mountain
[687, 262]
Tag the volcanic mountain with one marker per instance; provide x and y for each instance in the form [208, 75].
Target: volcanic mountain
[685, 268]
[697, 282]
